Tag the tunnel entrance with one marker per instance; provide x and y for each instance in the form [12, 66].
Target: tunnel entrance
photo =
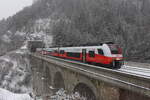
[85, 91]
[58, 81]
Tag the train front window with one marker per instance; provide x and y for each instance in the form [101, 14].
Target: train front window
[114, 49]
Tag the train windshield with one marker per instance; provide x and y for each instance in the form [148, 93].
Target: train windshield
[114, 49]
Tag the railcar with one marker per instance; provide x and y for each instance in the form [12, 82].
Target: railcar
[108, 55]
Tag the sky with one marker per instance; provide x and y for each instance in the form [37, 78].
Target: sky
[10, 7]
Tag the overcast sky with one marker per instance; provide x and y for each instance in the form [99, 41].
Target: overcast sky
[10, 7]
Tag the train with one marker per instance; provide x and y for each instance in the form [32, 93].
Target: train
[104, 54]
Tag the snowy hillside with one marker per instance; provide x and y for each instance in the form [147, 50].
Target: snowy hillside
[15, 71]
[41, 30]
[7, 95]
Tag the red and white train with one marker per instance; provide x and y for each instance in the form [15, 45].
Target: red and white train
[109, 55]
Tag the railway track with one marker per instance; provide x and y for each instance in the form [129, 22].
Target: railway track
[142, 72]
[135, 71]
[145, 72]
[130, 70]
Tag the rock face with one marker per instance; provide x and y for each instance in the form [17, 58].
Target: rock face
[15, 74]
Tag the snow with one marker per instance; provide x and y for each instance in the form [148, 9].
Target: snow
[136, 70]
[42, 31]
[7, 95]
[7, 59]
[9, 32]
[23, 49]
[46, 38]
[43, 23]
[6, 38]
[62, 95]
[20, 51]
[14, 71]
[20, 33]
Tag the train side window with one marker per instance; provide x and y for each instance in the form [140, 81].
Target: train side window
[62, 51]
[100, 51]
[91, 54]
[55, 51]
[73, 54]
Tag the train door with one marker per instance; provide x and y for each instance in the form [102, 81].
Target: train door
[84, 55]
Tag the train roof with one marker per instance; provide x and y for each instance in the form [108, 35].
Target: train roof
[87, 44]
[79, 47]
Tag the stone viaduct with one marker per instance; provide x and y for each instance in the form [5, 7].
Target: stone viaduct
[51, 74]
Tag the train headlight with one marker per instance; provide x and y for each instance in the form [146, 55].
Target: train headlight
[118, 58]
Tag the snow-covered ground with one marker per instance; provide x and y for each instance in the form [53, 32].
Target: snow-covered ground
[15, 75]
[145, 72]
[62, 95]
[7, 95]
[15, 72]
[138, 64]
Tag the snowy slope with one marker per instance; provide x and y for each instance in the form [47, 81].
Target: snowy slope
[15, 73]
[7, 95]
